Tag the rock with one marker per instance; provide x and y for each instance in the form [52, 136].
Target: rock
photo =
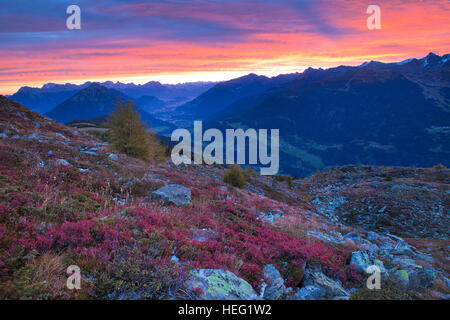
[371, 236]
[308, 293]
[60, 135]
[35, 136]
[362, 259]
[275, 283]
[329, 288]
[447, 281]
[324, 236]
[352, 236]
[401, 247]
[173, 193]
[423, 278]
[205, 234]
[89, 153]
[269, 216]
[63, 162]
[218, 284]
[402, 276]
[113, 157]
[5, 134]
[405, 263]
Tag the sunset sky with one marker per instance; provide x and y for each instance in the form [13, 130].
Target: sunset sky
[181, 41]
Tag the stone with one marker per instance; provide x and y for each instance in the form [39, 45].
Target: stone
[218, 284]
[308, 293]
[352, 236]
[63, 162]
[371, 236]
[362, 259]
[269, 216]
[35, 136]
[113, 157]
[60, 135]
[89, 153]
[329, 288]
[402, 276]
[405, 263]
[173, 193]
[423, 278]
[5, 134]
[275, 283]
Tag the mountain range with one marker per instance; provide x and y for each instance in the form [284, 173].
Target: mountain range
[51, 94]
[225, 93]
[375, 113]
[96, 101]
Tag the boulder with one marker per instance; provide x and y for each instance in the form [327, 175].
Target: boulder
[308, 293]
[113, 157]
[63, 162]
[329, 288]
[275, 283]
[402, 276]
[173, 193]
[423, 278]
[362, 259]
[352, 236]
[218, 284]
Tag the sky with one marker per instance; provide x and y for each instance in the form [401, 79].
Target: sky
[196, 40]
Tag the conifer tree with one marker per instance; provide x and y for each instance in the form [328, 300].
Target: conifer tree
[128, 134]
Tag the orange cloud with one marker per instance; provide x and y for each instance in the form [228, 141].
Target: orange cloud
[210, 42]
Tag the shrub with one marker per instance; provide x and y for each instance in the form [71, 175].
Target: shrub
[234, 176]
[439, 166]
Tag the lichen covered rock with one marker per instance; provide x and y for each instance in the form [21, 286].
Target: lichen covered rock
[218, 284]
[362, 259]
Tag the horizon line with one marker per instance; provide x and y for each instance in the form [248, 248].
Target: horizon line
[231, 75]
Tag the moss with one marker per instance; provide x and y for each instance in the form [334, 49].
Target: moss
[402, 274]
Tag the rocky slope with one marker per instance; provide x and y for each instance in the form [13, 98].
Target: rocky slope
[144, 230]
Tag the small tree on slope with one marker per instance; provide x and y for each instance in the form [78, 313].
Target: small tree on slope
[127, 134]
